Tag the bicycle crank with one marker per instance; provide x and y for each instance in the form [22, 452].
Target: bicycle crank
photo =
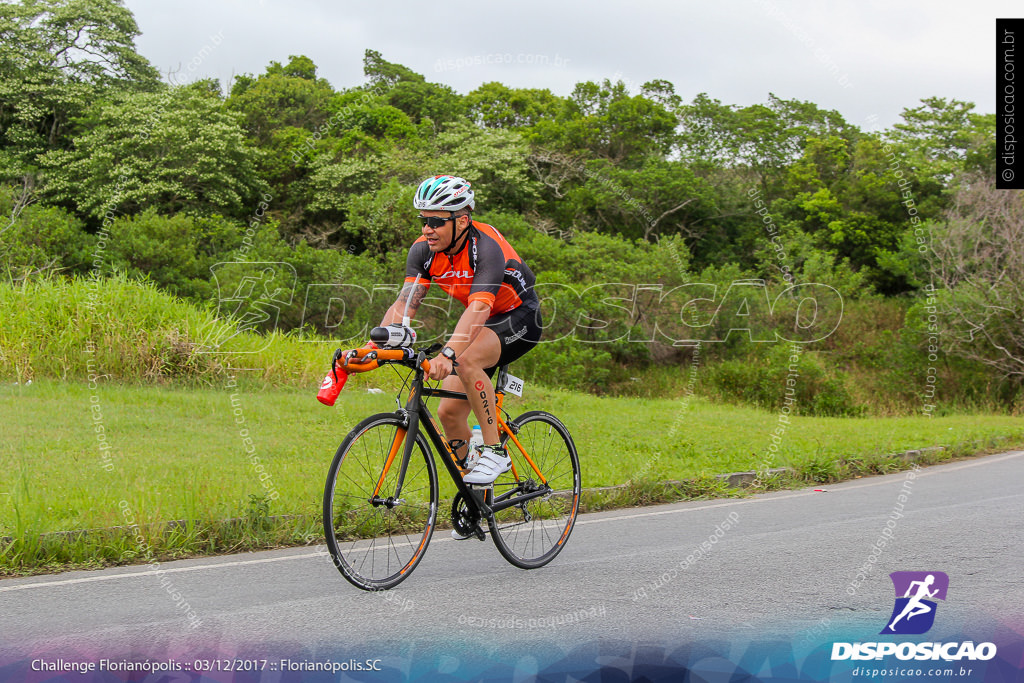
[464, 521]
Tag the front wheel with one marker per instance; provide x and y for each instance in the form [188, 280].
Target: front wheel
[375, 537]
[531, 533]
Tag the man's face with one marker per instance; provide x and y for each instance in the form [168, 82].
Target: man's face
[438, 239]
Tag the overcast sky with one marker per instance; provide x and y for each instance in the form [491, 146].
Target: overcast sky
[868, 59]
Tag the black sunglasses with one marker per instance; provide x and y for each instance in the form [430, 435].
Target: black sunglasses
[434, 222]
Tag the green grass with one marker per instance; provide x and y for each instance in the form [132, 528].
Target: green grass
[179, 454]
[126, 358]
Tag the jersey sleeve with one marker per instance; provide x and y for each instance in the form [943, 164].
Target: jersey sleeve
[416, 263]
[489, 272]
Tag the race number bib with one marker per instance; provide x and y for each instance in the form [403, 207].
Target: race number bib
[514, 385]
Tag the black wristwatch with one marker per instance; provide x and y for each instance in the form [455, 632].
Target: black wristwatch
[449, 353]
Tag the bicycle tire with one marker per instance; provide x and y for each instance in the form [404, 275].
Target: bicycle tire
[376, 547]
[531, 535]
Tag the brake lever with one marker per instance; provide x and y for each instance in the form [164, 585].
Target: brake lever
[338, 354]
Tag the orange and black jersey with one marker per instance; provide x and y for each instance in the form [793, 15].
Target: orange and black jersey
[486, 269]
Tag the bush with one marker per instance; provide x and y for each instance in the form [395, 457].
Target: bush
[569, 365]
[172, 251]
[762, 377]
[41, 239]
[248, 273]
[593, 257]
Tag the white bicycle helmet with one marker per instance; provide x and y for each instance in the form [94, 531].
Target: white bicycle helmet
[443, 193]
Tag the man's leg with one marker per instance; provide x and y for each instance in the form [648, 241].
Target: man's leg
[453, 414]
[471, 379]
[482, 354]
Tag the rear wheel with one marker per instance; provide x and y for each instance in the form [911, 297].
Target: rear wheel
[531, 533]
[375, 539]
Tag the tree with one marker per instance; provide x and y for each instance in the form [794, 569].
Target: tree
[604, 120]
[976, 258]
[284, 110]
[284, 96]
[662, 92]
[705, 138]
[423, 101]
[494, 161]
[178, 150]
[943, 136]
[768, 138]
[334, 183]
[56, 58]
[845, 195]
[494, 105]
[409, 91]
[765, 138]
[385, 74]
[379, 222]
[660, 198]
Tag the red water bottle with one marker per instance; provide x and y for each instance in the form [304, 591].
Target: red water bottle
[329, 388]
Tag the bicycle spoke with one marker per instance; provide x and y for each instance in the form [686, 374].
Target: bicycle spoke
[534, 542]
[373, 544]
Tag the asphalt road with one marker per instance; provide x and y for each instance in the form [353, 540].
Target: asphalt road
[786, 565]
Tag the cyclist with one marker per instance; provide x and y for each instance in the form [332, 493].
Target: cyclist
[473, 263]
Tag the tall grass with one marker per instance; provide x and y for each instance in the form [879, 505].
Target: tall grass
[128, 331]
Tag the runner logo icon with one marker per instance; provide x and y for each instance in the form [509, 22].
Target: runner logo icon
[916, 592]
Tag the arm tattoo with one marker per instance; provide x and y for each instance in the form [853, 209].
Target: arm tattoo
[411, 295]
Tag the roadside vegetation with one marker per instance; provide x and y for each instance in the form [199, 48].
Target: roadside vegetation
[177, 457]
[704, 269]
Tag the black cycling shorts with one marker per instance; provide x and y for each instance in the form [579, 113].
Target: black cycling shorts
[518, 331]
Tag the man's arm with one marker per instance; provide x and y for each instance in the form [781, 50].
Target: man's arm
[487, 279]
[409, 299]
[469, 326]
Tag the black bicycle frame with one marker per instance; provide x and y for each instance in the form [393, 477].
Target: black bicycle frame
[416, 412]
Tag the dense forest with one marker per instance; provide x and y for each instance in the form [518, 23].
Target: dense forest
[652, 222]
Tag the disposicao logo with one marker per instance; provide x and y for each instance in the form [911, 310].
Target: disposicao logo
[914, 614]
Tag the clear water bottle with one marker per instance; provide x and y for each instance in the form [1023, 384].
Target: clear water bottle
[475, 443]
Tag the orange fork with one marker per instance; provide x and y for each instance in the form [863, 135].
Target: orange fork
[395, 445]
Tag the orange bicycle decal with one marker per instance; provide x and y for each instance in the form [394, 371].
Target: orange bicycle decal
[528, 458]
[395, 445]
[502, 427]
[575, 504]
[423, 544]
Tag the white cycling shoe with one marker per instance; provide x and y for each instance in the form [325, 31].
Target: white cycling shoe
[492, 462]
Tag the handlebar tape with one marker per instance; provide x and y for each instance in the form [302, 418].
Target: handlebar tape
[358, 364]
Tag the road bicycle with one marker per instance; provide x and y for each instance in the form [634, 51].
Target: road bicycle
[382, 495]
